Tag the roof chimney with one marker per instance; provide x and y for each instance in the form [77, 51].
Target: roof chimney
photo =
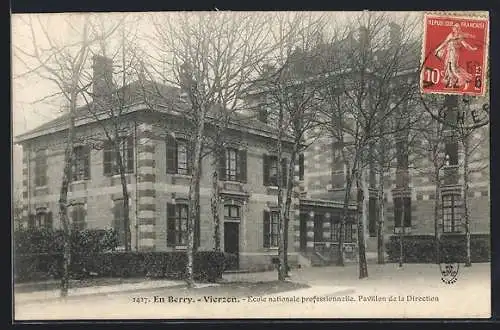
[102, 80]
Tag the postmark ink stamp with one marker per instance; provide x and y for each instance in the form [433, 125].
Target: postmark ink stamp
[449, 272]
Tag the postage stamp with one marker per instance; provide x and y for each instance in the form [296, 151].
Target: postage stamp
[454, 55]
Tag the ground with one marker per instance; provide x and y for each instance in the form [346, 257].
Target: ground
[416, 290]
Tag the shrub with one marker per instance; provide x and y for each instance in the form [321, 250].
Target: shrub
[422, 248]
[208, 265]
[38, 252]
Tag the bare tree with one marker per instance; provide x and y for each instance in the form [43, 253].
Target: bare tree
[61, 63]
[289, 84]
[211, 57]
[365, 91]
[107, 102]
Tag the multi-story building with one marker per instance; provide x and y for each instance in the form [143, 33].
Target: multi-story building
[157, 163]
[408, 182]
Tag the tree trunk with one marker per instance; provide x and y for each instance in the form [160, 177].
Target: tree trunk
[468, 262]
[436, 214]
[197, 209]
[63, 197]
[192, 208]
[401, 235]
[381, 221]
[123, 182]
[214, 204]
[363, 268]
[343, 221]
[288, 204]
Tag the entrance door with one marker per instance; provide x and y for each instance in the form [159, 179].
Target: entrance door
[232, 244]
[303, 232]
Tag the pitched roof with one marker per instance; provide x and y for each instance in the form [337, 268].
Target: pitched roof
[133, 94]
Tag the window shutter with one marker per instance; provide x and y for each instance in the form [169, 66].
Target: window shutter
[397, 212]
[171, 152]
[86, 162]
[107, 159]
[222, 164]
[267, 230]
[243, 166]
[301, 167]
[407, 208]
[265, 162]
[49, 221]
[284, 172]
[31, 221]
[170, 224]
[130, 154]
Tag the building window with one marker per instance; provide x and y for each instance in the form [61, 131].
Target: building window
[81, 165]
[451, 217]
[338, 167]
[402, 206]
[41, 219]
[78, 217]
[41, 168]
[231, 212]
[348, 232]
[178, 156]
[233, 165]
[271, 170]
[119, 222]
[126, 151]
[177, 220]
[271, 222]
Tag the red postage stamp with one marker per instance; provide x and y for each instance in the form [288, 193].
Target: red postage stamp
[454, 55]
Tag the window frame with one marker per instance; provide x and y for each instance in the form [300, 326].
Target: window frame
[233, 164]
[79, 210]
[182, 150]
[230, 216]
[41, 167]
[126, 147]
[451, 220]
[273, 229]
[81, 163]
[272, 165]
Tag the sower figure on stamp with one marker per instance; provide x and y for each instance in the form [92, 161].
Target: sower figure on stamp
[455, 76]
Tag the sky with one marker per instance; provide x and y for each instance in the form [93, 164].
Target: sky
[28, 111]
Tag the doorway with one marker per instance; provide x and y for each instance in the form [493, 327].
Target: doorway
[232, 244]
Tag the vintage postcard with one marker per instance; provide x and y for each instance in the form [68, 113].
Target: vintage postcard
[187, 165]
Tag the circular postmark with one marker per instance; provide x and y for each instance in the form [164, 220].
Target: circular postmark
[449, 272]
[453, 72]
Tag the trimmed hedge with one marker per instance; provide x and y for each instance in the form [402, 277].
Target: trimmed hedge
[34, 241]
[38, 256]
[38, 252]
[208, 265]
[422, 248]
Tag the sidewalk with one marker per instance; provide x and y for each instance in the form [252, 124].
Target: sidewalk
[40, 296]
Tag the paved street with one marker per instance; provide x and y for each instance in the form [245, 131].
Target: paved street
[414, 291]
